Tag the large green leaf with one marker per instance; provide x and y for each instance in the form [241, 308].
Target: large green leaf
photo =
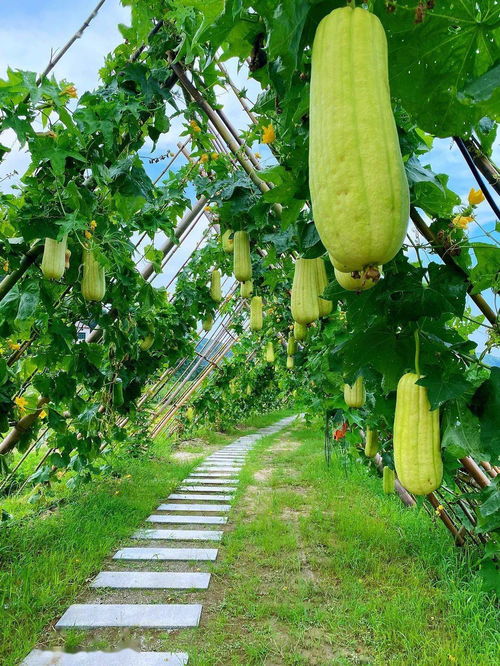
[431, 62]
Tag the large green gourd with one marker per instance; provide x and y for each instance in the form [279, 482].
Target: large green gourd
[325, 306]
[305, 302]
[299, 331]
[93, 280]
[417, 441]
[359, 191]
[118, 393]
[388, 480]
[256, 313]
[147, 342]
[355, 395]
[371, 444]
[54, 258]
[246, 289]
[215, 288]
[242, 259]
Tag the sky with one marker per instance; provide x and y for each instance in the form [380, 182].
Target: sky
[30, 29]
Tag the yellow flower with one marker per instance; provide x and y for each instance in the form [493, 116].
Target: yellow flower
[70, 91]
[21, 403]
[461, 221]
[117, 492]
[257, 156]
[195, 125]
[204, 158]
[439, 509]
[268, 134]
[42, 414]
[215, 156]
[88, 234]
[14, 345]
[93, 224]
[6, 266]
[475, 196]
[208, 208]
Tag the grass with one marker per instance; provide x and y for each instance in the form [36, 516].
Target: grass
[47, 557]
[322, 568]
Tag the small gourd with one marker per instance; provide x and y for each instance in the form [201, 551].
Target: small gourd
[242, 259]
[118, 393]
[388, 480]
[371, 444]
[299, 331]
[355, 395]
[256, 313]
[215, 286]
[54, 258]
[190, 414]
[246, 289]
[367, 279]
[227, 241]
[270, 358]
[289, 362]
[291, 345]
[305, 302]
[147, 342]
[93, 280]
[208, 323]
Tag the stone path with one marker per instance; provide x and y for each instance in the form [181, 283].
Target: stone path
[215, 480]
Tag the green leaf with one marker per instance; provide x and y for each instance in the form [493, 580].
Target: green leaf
[486, 405]
[30, 297]
[486, 273]
[443, 385]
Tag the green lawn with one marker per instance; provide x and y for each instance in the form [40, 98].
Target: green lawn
[46, 557]
[322, 568]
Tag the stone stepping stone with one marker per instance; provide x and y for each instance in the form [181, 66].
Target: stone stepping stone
[179, 535]
[194, 496]
[126, 657]
[214, 475]
[170, 554]
[208, 489]
[194, 507]
[152, 580]
[217, 468]
[148, 616]
[183, 520]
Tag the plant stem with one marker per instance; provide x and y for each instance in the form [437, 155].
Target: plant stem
[417, 351]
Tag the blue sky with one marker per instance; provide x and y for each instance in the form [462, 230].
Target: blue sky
[29, 29]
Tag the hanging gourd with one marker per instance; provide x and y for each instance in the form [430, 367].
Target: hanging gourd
[67, 257]
[246, 289]
[256, 313]
[227, 241]
[355, 395]
[359, 191]
[215, 288]
[242, 259]
[289, 362]
[190, 414]
[325, 306]
[118, 393]
[93, 280]
[299, 331]
[388, 480]
[305, 302]
[147, 342]
[417, 440]
[208, 323]
[371, 444]
[249, 390]
[291, 345]
[54, 258]
[270, 358]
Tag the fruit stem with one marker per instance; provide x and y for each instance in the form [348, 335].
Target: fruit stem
[417, 352]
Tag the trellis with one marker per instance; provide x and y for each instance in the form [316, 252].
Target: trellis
[227, 139]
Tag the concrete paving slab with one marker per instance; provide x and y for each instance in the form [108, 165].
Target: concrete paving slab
[179, 535]
[208, 489]
[185, 520]
[168, 554]
[126, 657]
[200, 496]
[221, 482]
[150, 616]
[152, 580]
[194, 507]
